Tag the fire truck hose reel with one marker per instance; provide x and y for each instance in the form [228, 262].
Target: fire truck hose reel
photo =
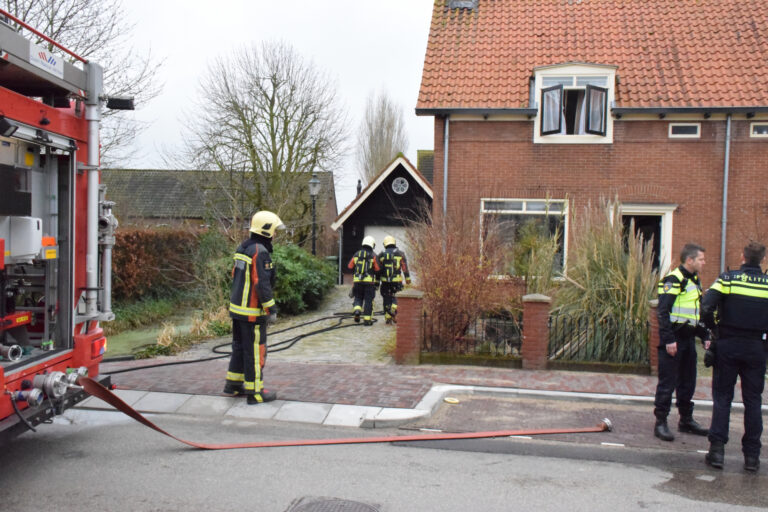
[99, 391]
[11, 352]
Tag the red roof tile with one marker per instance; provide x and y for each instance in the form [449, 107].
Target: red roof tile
[669, 53]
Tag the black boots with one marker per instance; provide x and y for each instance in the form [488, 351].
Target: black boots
[233, 389]
[661, 430]
[688, 424]
[716, 455]
[751, 464]
[260, 398]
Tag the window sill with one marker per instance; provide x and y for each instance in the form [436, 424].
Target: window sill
[572, 139]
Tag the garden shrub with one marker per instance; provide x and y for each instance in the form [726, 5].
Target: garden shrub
[302, 279]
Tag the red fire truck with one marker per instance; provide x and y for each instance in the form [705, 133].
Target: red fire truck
[56, 228]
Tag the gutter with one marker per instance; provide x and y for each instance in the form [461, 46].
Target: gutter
[618, 111]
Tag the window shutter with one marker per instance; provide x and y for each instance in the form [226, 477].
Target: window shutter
[551, 109]
[597, 108]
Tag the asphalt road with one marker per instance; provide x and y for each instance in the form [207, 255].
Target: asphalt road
[107, 462]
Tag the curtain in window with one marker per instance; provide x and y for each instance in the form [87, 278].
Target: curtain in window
[551, 110]
[597, 102]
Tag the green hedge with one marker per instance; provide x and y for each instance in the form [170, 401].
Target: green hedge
[302, 279]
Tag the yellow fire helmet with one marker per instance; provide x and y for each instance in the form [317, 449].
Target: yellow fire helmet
[389, 240]
[265, 223]
[369, 241]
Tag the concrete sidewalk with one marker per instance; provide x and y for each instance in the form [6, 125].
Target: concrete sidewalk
[359, 395]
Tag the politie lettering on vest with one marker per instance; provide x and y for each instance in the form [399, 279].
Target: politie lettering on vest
[252, 307]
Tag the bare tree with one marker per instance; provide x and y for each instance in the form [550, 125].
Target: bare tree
[97, 30]
[381, 135]
[267, 120]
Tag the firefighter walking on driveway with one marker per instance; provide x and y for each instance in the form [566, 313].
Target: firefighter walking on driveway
[393, 267]
[678, 314]
[366, 267]
[252, 307]
[739, 301]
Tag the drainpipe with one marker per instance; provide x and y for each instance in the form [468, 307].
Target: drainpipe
[93, 116]
[341, 241]
[446, 130]
[726, 171]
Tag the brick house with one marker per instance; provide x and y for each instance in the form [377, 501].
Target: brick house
[662, 105]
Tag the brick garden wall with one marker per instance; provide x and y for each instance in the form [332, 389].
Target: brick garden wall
[498, 159]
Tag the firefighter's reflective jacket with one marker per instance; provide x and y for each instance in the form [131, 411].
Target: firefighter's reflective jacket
[744, 293]
[393, 266]
[253, 278]
[679, 303]
[365, 266]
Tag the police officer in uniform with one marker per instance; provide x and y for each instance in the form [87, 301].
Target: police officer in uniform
[678, 314]
[739, 298]
[366, 267]
[393, 267]
[252, 307]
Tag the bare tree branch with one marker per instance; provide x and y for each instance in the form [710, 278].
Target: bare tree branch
[381, 135]
[267, 120]
[97, 30]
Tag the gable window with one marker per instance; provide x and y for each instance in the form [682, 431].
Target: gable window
[684, 130]
[758, 130]
[574, 103]
[520, 219]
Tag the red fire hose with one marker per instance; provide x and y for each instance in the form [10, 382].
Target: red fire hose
[99, 391]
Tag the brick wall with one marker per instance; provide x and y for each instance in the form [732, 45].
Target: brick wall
[498, 159]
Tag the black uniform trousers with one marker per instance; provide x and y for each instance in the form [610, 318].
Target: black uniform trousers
[745, 358]
[364, 294]
[676, 374]
[248, 356]
[388, 291]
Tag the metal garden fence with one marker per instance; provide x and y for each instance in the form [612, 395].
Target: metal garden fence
[498, 335]
[589, 338]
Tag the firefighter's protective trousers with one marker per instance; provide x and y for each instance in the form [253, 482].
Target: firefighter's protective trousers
[249, 353]
[253, 278]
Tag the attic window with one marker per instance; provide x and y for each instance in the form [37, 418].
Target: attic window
[573, 102]
[574, 105]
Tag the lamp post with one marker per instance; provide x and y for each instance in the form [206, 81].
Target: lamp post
[314, 189]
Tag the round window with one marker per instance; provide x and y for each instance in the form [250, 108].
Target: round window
[400, 185]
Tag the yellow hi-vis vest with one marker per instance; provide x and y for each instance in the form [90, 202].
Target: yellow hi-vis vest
[685, 310]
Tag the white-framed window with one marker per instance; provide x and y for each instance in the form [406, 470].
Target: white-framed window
[653, 221]
[574, 104]
[519, 218]
[758, 129]
[684, 130]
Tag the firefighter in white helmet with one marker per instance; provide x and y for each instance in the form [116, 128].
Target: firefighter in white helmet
[394, 268]
[366, 267]
[252, 307]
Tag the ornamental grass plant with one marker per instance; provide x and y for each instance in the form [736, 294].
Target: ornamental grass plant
[609, 281]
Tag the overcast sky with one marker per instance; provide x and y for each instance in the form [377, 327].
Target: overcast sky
[364, 45]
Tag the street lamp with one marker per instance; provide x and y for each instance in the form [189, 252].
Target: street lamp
[314, 189]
